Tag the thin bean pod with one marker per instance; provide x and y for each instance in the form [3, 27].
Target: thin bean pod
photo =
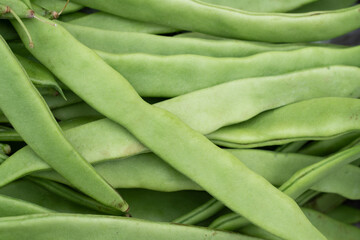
[163, 76]
[264, 130]
[202, 17]
[326, 202]
[90, 227]
[332, 229]
[107, 21]
[261, 6]
[189, 155]
[46, 137]
[15, 207]
[132, 42]
[229, 222]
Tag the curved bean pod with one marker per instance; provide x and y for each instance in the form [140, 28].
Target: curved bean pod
[332, 229]
[46, 137]
[264, 130]
[189, 155]
[20, 8]
[163, 76]
[15, 207]
[229, 222]
[325, 5]
[107, 21]
[100, 227]
[202, 17]
[131, 42]
[277, 168]
[261, 6]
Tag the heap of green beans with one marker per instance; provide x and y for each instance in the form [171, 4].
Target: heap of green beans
[179, 119]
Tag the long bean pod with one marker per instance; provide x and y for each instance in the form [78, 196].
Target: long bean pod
[202, 17]
[179, 145]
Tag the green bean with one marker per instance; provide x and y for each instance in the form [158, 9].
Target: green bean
[46, 137]
[30, 192]
[326, 202]
[332, 229]
[15, 207]
[200, 213]
[202, 17]
[229, 222]
[165, 134]
[308, 176]
[293, 147]
[277, 168]
[306, 197]
[198, 35]
[325, 5]
[326, 147]
[72, 16]
[58, 5]
[284, 125]
[9, 135]
[39, 75]
[7, 31]
[17, 6]
[345, 214]
[73, 196]
[101, 227]
[261, 6]
[107, 21]
[170, 76]
[132, 42]
[74, 111]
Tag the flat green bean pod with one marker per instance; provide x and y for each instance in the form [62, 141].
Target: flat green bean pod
[90, 227]
[170, 76]
[17, 7]
[332, 229]
[277, 168]
[132, 42]
[39, 75]
[325, 5]
[345, 214]
[285, 124]
[326, 202]
[45, 137]
[197, 16]
[108, 21]
[175, 142]
[261, 6]
[15, 207]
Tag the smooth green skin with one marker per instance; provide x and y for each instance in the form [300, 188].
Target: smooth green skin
[196, 16]
[131, 42]
[100, 227]
[260, 5]
[30, 192]
[74, 111]
[284, 125]
[110, 141]
[72, 16]
[23, 106]
[326, 202]
[325, 5]
[108, 21]
[58, 5]
[183, 148]
[170, 76]
[73, 196]
[14, 207]
[229, 222]
[345, 214]
[277, 168]
[197, 35]
[332, 229]
[305, 178]
[200, 213]
[39, 75]
[209, 109]
[327, 147]
[293, 147]
[7, 31]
